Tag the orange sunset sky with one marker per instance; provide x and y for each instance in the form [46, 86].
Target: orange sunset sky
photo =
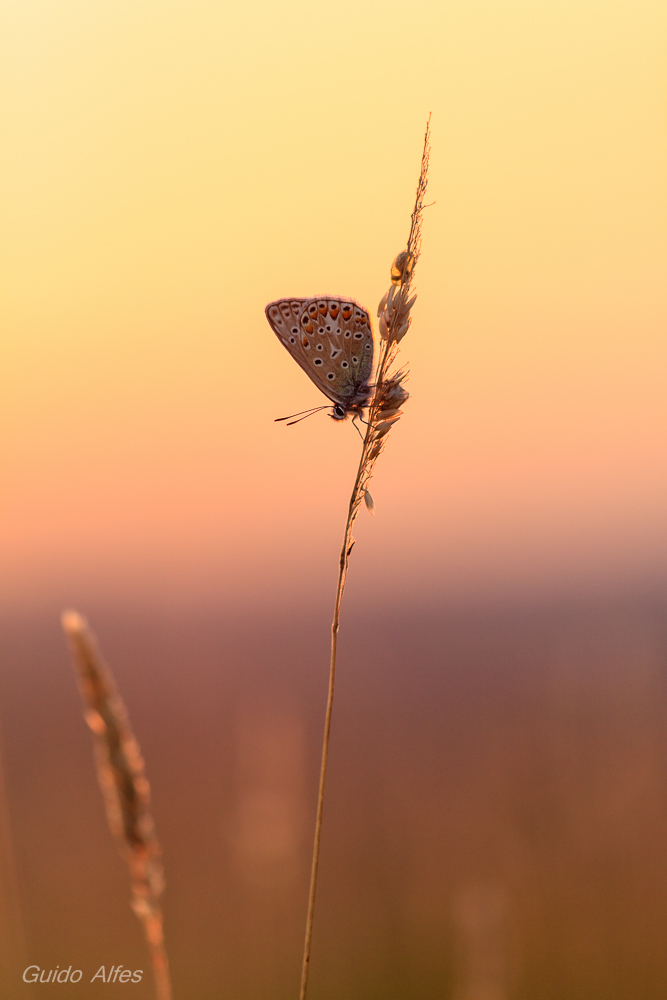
[171, 167]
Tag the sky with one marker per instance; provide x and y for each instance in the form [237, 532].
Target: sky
[171, 167]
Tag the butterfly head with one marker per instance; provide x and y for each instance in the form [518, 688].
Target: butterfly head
[354, 407]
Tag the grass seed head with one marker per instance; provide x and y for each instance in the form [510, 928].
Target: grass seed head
[122, 778]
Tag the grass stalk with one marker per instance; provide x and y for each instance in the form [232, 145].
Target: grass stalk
[384, 411]
[122, 778]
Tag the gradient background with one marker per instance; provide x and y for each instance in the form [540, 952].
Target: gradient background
[498, 812]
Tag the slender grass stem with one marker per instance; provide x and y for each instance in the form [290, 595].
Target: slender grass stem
[342, 575]
[384, 410]
[159, 961]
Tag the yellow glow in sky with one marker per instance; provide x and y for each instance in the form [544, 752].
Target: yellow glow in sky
[170, 167]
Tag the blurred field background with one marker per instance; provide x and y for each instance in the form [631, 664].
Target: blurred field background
[497, 818]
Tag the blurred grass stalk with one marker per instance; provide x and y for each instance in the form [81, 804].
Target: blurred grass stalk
[122, 778]
[384, 410]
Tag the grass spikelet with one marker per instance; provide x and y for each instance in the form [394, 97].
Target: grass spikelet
[122, 778]
[384, 411]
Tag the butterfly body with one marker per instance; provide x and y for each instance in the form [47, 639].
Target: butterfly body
[332, 340]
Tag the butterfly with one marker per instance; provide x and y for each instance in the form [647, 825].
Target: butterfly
[332, 340]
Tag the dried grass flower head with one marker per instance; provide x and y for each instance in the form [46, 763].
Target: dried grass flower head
[122, 777]
[388, 394]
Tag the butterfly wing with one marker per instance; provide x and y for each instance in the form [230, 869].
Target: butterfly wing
[331, 339]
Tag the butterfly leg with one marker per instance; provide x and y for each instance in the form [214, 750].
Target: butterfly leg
[355, 426]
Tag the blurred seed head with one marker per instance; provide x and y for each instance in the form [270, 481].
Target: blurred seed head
[402, 267]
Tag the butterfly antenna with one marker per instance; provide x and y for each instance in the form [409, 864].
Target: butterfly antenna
[301, 416]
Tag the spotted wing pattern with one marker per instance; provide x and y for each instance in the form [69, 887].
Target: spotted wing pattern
[332, 340]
